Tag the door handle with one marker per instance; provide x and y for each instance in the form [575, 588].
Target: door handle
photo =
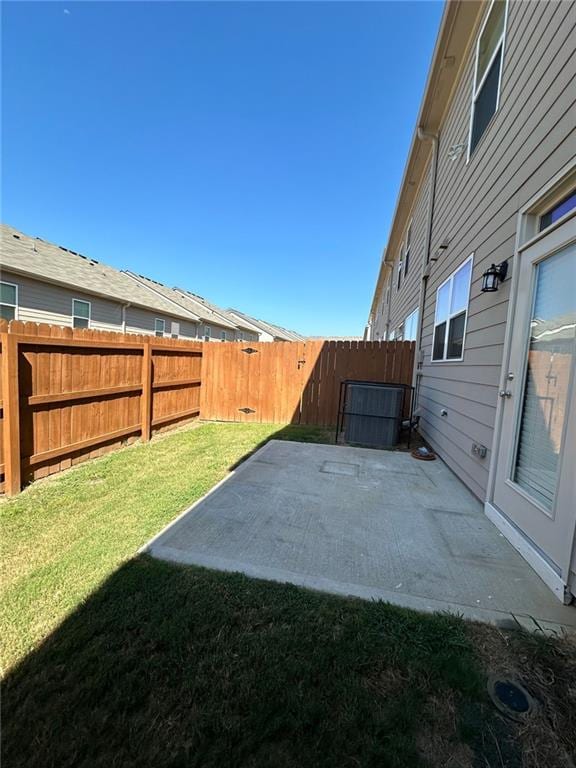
[505, 393]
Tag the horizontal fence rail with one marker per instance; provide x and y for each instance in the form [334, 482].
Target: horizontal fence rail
[70, 394]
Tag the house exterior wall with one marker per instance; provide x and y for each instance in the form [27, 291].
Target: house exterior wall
[405, 300]
[41, 302]
[531, 137]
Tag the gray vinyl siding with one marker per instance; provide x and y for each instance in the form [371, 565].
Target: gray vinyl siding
[530, 139]
[41, 302]
[140, 320]
[404, 301]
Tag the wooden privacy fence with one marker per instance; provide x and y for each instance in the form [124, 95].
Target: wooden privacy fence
[294, 382]
[67, 394]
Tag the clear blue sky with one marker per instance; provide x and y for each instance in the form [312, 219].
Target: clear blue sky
[251, 152]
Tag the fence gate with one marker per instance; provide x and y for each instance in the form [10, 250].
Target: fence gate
[258, 382]
[293, 382]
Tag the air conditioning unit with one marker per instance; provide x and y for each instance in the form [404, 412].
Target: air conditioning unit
[373, 414]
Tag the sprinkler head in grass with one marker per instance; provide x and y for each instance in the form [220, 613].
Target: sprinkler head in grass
[511, 698]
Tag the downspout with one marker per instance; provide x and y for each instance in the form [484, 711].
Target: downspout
[433, 137]
[124, 308]
[390, 277]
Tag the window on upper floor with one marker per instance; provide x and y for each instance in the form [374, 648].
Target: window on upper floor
[8, 301]
[407, 249]
[487, 71]
[392, 335]
[81, 313]
[222, 335]
[159, 326]
[239, 336]
[207, 333]
[400, 262]
[452, 299]
[411, 326]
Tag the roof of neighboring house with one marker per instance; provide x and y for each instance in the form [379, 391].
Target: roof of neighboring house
[183, 299]
[51, 263]
[208, 306]
[274, 330]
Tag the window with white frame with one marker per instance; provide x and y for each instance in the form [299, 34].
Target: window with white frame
[488, 71]
[407, 249]
[81, 312]
[159, 326]
[207, 333]
[8, 301]
[222, 335]
[399, 283]
[452, 299]
[392, 335]
[411, 326]
[239, 335]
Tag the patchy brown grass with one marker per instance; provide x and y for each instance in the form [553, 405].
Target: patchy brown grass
[546, 666]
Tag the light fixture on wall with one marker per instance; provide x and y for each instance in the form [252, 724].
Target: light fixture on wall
[441, 248]
[455, 151]
[494, 275]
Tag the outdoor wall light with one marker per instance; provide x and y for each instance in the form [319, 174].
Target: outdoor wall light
[493, 276]
[441, 249]
[455, 151]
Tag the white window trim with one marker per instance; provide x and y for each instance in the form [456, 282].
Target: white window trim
[452, 315]
[223, 336]
[83, 301]
[500, 46]
[160, 320]
[408, 247]
[207, 332]
[400, 264]
[414, 312]
[5, 303]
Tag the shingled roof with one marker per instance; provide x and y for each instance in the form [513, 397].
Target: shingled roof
[205, 311]
[32, 256]
[274, 330]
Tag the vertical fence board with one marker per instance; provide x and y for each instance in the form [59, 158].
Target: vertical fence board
[11, 425]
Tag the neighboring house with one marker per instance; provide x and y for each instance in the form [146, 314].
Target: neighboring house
[244, 331]
[46, 283]
[491, 180]
[214, 325]
[267, 331]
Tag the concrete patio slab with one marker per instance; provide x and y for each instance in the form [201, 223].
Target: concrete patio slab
[362, 522]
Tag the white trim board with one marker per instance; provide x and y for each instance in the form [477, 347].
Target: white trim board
[536, 561]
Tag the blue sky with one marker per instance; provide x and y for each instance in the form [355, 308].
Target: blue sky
[251, 152]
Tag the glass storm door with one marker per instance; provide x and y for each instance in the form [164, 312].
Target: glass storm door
[536, 471]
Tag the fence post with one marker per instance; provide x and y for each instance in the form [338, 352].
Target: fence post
[11, 406]
[146, 401]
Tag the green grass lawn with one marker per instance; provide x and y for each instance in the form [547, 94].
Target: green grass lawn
[62, 537]
[117, 660]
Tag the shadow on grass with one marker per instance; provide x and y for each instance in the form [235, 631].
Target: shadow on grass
[181, 666]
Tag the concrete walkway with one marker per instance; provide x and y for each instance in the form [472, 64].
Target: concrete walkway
[354, 521]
